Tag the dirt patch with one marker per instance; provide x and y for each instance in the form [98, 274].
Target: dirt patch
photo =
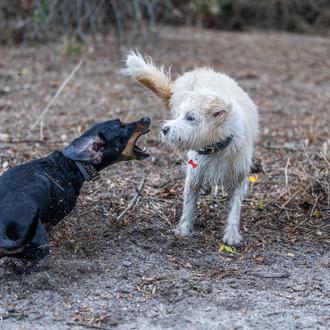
[134, 273]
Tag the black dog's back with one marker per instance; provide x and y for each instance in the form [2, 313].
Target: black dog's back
[36, 193]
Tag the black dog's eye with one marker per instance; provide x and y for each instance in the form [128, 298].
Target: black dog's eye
[189, 117]
[122, 125]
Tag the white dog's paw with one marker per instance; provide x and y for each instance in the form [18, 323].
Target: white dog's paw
[232, 237]
[183, 230]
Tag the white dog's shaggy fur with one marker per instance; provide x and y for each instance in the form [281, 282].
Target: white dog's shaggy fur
[207, 107]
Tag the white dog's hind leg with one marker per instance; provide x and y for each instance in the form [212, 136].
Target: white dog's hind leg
[231, 233]
[191, 191]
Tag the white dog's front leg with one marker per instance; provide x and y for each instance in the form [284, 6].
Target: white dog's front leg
[191, 191]
[231, 234]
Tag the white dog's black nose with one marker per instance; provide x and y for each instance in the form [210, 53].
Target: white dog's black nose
[165, 129]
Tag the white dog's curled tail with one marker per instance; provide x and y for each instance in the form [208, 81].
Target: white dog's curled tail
[157, 79]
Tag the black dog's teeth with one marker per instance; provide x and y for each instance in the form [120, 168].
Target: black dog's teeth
[138, 150]
[141, 152]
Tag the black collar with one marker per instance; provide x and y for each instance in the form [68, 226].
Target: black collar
[88, 171]
[219, 146]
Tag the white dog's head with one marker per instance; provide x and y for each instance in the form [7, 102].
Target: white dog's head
[198, 121]
[199, 115]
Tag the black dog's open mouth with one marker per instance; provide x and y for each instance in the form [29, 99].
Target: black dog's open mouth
[141, 153]
[132, 149]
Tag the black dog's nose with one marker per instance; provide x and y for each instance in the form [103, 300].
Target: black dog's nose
[165, 129]
[145, 120]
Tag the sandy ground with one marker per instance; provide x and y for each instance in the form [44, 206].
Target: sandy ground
[133, 273]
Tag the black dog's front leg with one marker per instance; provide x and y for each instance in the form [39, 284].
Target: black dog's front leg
[39, 247]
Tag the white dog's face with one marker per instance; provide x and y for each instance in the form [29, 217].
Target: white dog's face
[198, 121]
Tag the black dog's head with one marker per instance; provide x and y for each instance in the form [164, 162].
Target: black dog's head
[109, 142]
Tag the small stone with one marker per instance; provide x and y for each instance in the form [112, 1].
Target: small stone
[64, 137]
[11, 309]
[127, 264]
[4, 137]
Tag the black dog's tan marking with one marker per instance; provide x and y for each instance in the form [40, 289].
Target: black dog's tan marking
[37, 195]
[132, 150]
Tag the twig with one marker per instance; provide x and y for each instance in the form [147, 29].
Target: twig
[82, 324]
[49, 177]
[134, 199]
[287, 146]
[286, 175]
[291, 197]
[325, 158]
[284, 275]
[31, 141]
[314, 206]
[52, 100]
[17, 315]
[162, 215]
[309, 159]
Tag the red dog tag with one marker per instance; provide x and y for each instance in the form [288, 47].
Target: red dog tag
[191, 162]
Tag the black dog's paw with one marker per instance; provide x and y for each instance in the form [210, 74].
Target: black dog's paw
[37, 253]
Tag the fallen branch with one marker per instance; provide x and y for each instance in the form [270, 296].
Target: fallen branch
[86, 325]
[134, 199]
[287, 147]
[325, 158]
[31, 141]
[160, 213]
[52, 100]
[284, 275]
[286, 175]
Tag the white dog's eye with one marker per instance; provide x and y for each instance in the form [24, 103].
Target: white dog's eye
[188, 116]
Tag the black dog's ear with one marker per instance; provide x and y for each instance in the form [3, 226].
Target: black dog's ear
[86, 148]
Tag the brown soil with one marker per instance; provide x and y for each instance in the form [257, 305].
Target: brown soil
[134, 273]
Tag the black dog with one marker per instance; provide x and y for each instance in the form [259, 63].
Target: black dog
[37, 195]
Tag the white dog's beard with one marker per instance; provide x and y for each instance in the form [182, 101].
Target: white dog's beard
[176, 143]
[182, 140]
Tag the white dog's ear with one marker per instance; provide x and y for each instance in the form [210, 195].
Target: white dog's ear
[216, 108]
[148, 74]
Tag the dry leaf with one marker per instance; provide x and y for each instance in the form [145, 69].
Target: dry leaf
[259, 258]
[317, 213]
[260, 205]
[24, 71]
[167, 193]
[226, 248]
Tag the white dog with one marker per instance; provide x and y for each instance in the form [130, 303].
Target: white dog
[216, 122]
